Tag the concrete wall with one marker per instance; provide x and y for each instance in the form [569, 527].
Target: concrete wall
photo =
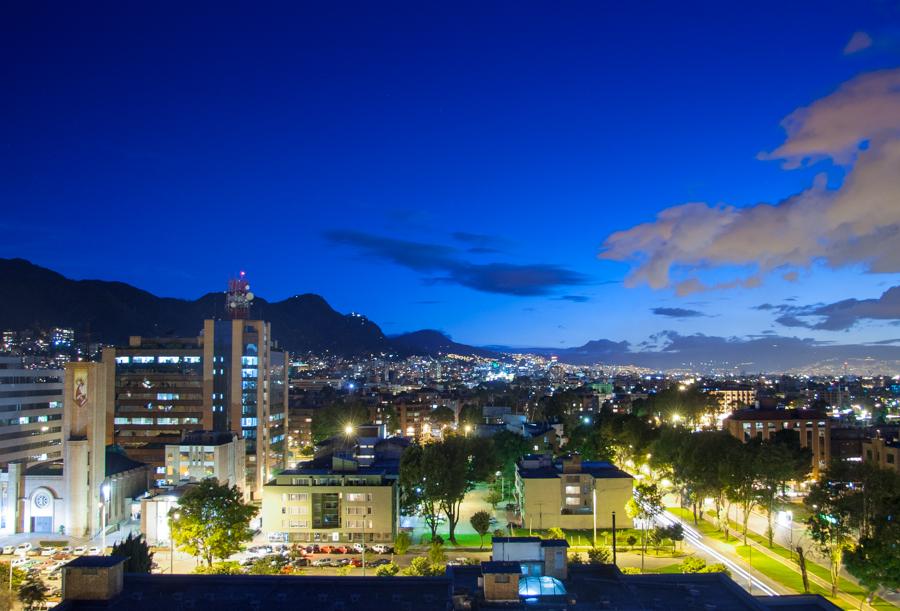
[501, 587]
[92, 583]
[544, 503]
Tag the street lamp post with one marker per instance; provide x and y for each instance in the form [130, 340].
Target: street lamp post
[594, 506]
[467, 429]
[614, 536]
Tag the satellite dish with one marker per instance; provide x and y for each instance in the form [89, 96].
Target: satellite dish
[249, 296]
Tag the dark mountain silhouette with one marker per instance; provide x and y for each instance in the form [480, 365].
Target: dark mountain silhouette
[111, 311]
[429, 341]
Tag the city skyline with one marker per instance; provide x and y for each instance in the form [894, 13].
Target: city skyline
[679, 176]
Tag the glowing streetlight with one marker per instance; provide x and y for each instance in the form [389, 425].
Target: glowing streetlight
[467, 429]
[348, 429]
[175, 517]
[103, 507]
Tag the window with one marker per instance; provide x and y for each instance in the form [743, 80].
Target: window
[889, 458]
[573, 489]
[297, 510]
[169, 359]
[501, 579]
[358, 497]
[143, 359]
[298, 496]
[573, 501]
[298, 524]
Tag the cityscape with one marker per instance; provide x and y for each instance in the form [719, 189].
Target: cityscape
[368, 306]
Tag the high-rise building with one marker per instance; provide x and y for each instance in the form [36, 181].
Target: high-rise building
[244, 391]
[30, 413]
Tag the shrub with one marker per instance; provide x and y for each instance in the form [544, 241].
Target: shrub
[598, 555]
[229, 567]
[693, 564]
[555, 533]
[630, 570]
[387, 570]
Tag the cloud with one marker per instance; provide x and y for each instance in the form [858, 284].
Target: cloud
[858, 42]
[442, 264]
[858, 127]
[573, 298]
[766, 352]
[480, 244]
[677, 312]
[843, 314]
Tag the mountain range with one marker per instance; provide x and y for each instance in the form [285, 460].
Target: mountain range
[109, 312]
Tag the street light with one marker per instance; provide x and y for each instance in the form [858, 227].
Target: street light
[467, 429]
[348, 429]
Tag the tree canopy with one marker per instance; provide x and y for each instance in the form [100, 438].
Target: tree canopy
[211, 521]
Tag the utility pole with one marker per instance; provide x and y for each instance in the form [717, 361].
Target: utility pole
[614, 536]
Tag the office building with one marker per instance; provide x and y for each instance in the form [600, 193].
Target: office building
[561, 493]
[158, 396]
[30, 413]
[244, 391]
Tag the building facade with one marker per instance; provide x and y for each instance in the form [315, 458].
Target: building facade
[207, 454]
[561, 493]
[158, 396]
[882, 452]
[813, 427]
[31, 411]
[245, 391]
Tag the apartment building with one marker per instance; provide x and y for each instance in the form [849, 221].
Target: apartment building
[562, 493]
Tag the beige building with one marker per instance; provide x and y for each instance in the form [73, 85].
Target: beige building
[332, 500]
[813, 427]
[882, 452]
[735, 397]
[561, 493]
[207, 454]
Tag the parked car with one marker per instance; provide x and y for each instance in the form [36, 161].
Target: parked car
[381, 548]
[378, 562]
[65, 550]
[322, 562]
[8, 549]
[301, 562]
[359, 547]
[356, 562]
[340, 549]
[48, 551]
[325, 549]
[95, 551]
[79, 551]
[338, 562]
[21, 562]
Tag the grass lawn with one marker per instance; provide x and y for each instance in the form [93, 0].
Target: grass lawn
[774, 569]
[585, 537]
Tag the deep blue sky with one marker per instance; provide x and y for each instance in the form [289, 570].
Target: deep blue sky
[171, 146]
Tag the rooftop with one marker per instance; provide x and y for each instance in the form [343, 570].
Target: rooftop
[95, 562]
[777, 414]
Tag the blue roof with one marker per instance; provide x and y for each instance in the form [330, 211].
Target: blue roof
[501, 567]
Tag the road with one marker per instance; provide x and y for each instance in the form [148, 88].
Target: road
[790, 534]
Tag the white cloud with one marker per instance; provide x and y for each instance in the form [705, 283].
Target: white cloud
[858, 224]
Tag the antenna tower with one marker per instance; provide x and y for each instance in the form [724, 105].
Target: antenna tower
[238, 298]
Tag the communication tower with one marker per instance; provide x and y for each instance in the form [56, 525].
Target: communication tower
[238, 298]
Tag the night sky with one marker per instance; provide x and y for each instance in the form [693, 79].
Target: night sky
[508, 172]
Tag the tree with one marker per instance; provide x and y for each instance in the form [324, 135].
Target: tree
[875, 561]
[418, 494]
[18, 576]
[422, 567]
[509, 447]
[268, 565]
[138, 554]
[442, 415]
[387, 570]
[645, 505]
[555, 533]
[830, 502]
[213, 521]
[402, 542]
[229, 567]
[32, 592]
[481, 522]
[598, 555]
[450, 468]
[589, 441]
[743, 468]
[493, 497]
[780, 459]
[333, 419]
